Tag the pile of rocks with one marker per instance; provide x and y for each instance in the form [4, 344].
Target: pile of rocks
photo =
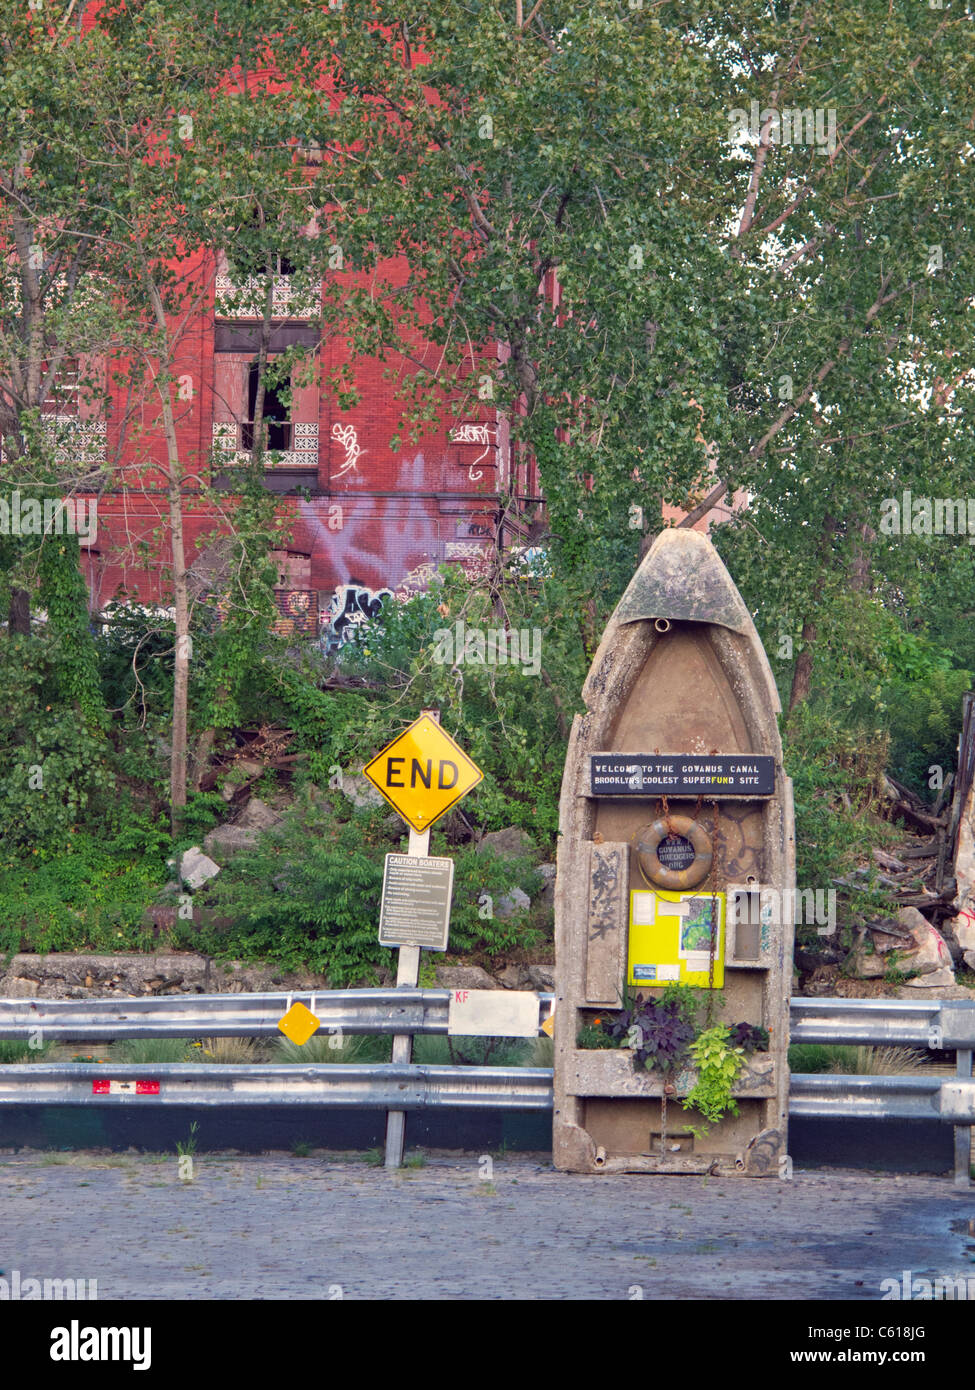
[85, 975]
[910, 944]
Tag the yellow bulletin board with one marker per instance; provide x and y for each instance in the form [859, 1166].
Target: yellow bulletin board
[670, 937]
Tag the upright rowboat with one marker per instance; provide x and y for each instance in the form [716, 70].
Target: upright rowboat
[676, 866]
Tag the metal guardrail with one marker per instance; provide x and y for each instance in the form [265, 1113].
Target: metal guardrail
[943, 1025]
[940, 1025]
[385, 1011]
[829, 1096]
[385, 1086]
[408, 1087]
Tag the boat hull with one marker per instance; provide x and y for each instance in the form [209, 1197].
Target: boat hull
[680, 673]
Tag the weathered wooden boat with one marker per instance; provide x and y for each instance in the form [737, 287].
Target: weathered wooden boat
[676, 865]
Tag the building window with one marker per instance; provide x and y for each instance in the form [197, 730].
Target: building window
[276, 420]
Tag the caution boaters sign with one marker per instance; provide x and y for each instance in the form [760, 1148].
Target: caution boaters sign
[422, 773]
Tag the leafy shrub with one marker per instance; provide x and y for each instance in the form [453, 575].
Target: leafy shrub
[89, 897]
[308, 896]
[54, 772]
[826, 764]
[719, 1064]
[658, 1031]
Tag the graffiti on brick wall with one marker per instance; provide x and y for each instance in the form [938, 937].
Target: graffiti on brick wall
[297, 612]
[347, 437]
[353, 607]
[417, 581]
[471, 433]
[475, 558]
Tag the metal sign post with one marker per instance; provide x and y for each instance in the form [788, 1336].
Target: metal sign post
[407, 977]
[422, 773]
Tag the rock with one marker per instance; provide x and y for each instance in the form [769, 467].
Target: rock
[225, 840]
[924, 951]
[963, 927]
[895, 940]
[910, 919]
[197, 868]
[68, 976]
[315, 796]
[542, 978]
[227, 791]
[249, 767]
[935, 979]
[21, 988]
[547, 895]
[964, 867]
[234, 977]
[515, 901]
[867, 965]
[510, 843]
[514, 977]
[257, 815]
[464, 977]
[361, 792]
[931, 953]
[955, 991]
[954, 950]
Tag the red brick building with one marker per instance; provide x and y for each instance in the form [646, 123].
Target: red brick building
[364, 520]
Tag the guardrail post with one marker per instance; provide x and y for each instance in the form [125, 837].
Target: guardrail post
[407, 976]
[963, 1133]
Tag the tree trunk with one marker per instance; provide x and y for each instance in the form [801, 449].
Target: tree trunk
[257, 424]
[860, 567]
[181, 605]
[18, 618]
[802, 675]
[181, 673]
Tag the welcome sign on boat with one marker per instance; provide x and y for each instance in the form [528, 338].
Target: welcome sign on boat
[676, 816]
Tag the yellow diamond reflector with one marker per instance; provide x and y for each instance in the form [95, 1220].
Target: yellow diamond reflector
[422, 773]
[548, 1027]
[299, 1024]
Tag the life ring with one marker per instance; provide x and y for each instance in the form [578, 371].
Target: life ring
[655, 871]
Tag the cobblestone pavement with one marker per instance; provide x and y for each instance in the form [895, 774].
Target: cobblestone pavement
[278, 1226]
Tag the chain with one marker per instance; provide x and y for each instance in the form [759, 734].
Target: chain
[714, 912]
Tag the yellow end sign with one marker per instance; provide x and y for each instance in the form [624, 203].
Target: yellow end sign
[422, 773]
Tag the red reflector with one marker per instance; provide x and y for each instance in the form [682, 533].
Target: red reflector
[124, 1088]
